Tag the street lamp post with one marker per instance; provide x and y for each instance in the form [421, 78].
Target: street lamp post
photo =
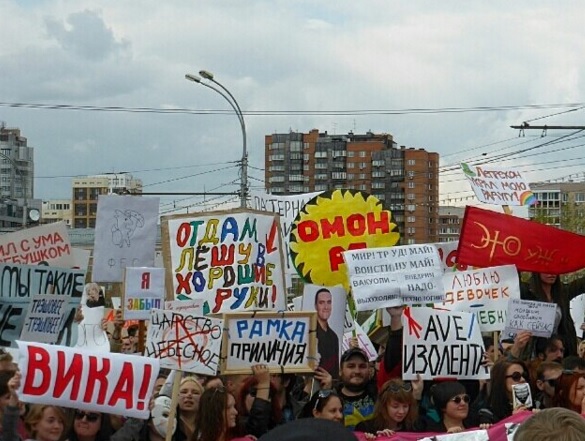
[227, 95]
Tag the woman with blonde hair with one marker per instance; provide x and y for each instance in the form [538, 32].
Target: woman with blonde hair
[396, 410]
[190, 393]
[45, 423]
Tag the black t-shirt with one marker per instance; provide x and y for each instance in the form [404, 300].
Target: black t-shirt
[328, 347]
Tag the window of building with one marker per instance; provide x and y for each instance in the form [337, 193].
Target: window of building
[410, 196]
[411, 162]
[411, 219]
[321, 154]
[350, 176]
[380, 196]
[410, 184]
[296, 146]
[363, 187]
[276, 179]
[411, 207]
[350, 154]
[338, 175]
[378, 184]
[362, 154]
[320, 187]
[351, 165]
[579, 197]
[378, 174]
[279, 157]
[411, 241]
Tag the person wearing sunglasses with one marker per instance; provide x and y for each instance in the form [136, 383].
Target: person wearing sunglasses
[324, 404]
[547, 375]
[570, 392]
[396, 410]
[451, 401]
[90, 426]
[505, 373]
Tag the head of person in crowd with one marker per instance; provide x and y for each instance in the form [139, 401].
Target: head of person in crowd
[160, 407]
[325, 404]
[323, 302]
[354, 370]
[160, 381]
[90, 426]
[581, 350]
[574, 363]
[95, 295]
[212, 382]
[552, 424]
[547, 374]
[217, 417]
[45, 423]
[6, 361]
[127, 346]
[570, 390]
[550, 349]
[5, 377]
[452, 402]
[491, 349]
[309, 429]
[132, 332]
[190, 392]
[247, 396]
[505, 372]
[396, 409]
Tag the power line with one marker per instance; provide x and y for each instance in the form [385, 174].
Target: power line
[352, 112]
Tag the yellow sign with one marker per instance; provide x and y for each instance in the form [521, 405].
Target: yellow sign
[334, 222]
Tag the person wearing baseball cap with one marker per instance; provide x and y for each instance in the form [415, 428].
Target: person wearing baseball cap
[357, 392]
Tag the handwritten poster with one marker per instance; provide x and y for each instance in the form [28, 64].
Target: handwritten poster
[498, 186]
[334, 222]
[19, 283]
[125, 235]
[46, 244]
[185, 341]
[577, 309]
[109, 383]
[364, 342]
[282, 341]
[45, 318]
[529, 315]
[230, 260]
[446, 344]
[385, 277]
[287, 207]
[484, 292]
[144, 289]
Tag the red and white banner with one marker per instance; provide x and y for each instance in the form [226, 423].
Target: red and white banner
[99, 382]
[489, 239]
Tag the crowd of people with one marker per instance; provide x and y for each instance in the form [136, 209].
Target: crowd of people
[366, 396]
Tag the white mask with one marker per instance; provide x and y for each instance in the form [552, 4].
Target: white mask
[160, 415]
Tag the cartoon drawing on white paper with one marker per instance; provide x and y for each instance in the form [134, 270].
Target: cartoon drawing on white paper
[124, 225]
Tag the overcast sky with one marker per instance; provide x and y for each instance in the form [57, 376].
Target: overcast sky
[286, 55]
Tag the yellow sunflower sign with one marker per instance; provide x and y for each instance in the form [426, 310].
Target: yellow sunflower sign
[334, 222]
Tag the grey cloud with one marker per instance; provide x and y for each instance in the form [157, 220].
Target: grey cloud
[86, 35]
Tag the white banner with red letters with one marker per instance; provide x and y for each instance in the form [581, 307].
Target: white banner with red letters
[99, 382]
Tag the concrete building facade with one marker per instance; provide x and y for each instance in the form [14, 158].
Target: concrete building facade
[87, 189]
[405, 179]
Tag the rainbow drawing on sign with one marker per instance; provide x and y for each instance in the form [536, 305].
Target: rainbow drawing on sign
[528, 198]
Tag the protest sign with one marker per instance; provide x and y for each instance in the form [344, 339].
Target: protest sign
[144, 289]
[468, 435]
[484, 292]
[334, 222]
[285, 342]
[287, 207]
[448, 255]
[530, 315]
[498, 186]
[125, 235]
[195, 307]
[109, 383]
[577, 310]
[384, 277]
[184, 341]
[46, 244]
[489, 238]
[19, 283]
[439, 344]
[90, 334]
[45, 318]
[364, 342]
[230, 260]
